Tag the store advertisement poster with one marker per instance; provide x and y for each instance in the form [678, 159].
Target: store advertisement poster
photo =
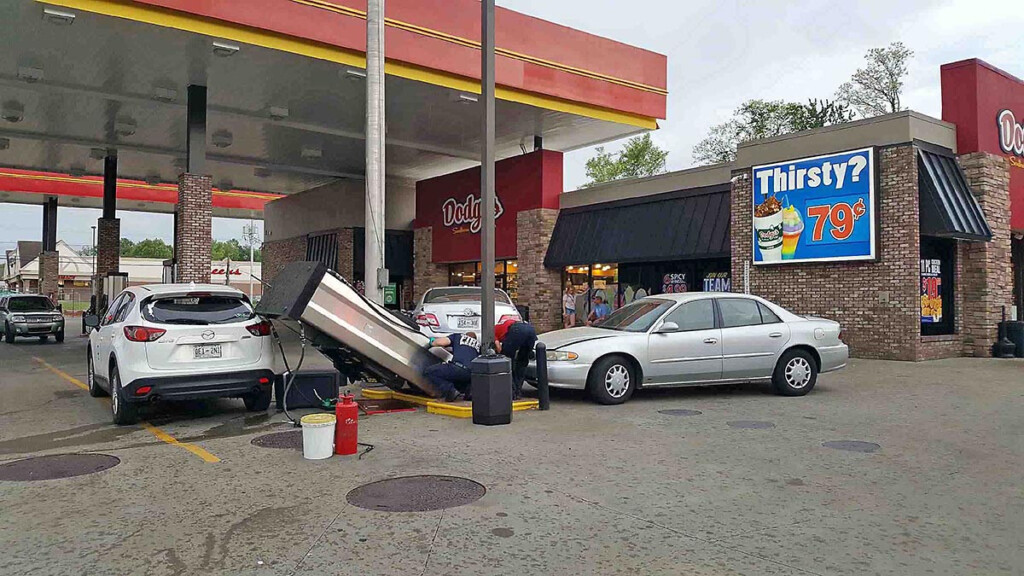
[819, 209]
[673, 284]
[931, 291]
[717, 282]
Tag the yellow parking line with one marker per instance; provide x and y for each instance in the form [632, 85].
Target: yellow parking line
[160, 434]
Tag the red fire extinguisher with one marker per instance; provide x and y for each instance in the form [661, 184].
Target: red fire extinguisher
[346, 431]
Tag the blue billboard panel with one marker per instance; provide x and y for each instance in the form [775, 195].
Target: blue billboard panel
[819, 209]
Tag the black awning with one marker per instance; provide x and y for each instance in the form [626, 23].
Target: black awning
[682, 225]
[397, 252]
[948, 207]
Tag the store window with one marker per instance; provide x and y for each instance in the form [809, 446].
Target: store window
[506, 276]
[938, 262]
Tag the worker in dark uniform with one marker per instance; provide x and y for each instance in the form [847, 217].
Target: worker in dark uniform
[516, 340]
[453, 377]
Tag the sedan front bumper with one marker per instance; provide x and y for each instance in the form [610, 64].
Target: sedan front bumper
[570, 375]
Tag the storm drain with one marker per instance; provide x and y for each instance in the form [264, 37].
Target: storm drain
[852, 446]
[416, 494]
[751, 424]
[286, 440]
[680, 412]
[56, 466]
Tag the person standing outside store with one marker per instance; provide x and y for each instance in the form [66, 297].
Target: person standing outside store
[568, 308]
[599, 312]
[516, 340]
[453, 377]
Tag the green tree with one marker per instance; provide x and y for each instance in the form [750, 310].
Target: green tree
[153, 248]
[875, 89]
[639, 157]
[127, 247]
[756, 119]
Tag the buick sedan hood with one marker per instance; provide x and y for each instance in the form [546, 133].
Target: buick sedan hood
[560, 338]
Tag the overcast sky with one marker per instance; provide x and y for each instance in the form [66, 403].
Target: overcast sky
[720, 53]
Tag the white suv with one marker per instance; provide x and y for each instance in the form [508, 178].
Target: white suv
[178, 342]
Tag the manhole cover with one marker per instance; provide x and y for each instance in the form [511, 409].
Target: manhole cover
[680, 412]
[289, 440]
[56, 466]
[416, 493]
[852, 446]
[751, 424]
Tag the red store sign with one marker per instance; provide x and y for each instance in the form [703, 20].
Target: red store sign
[987, 106]
[450, 204]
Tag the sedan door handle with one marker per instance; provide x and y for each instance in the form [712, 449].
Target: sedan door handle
[775, 335]
[711, 340]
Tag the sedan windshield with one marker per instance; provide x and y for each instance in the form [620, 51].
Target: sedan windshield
[30, 304]
[198, 310]
[636, 317]
[450, 295]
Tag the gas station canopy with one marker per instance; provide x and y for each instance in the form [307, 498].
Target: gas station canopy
[286, 94]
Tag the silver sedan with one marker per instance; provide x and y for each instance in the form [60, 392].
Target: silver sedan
[694, 339]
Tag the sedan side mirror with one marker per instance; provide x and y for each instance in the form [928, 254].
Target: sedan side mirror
[91, 320]
[668, 328]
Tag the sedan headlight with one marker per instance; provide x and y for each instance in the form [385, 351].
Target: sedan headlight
[17, 318]
[561, 356]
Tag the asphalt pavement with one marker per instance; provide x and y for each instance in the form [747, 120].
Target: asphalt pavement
[724, 482]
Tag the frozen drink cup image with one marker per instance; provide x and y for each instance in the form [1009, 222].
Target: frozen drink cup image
[792, 227]
[768, 229]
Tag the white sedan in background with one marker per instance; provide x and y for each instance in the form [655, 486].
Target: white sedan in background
[693, 339]
[178, 342]
[456, 309]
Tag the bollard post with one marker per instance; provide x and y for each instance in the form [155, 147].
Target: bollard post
[543, 394]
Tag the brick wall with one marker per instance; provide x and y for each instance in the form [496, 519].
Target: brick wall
[877, 303]
[426, 274]
[193, 234]
[346, 252]
[108, 249]
[540, 288]
[49, 273]
[278, 253]
[987, 268]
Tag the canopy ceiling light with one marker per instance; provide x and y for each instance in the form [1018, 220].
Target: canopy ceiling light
[222, 138]
[12, 111]
[161, 94]
[180, 162]
[58, 17]
[464, 98]
[76, 171]
[30, 74]
[355, 73]
[153, 179]
[261, 172]
[224, 49]
[5, 143]
[125, 126]
[311, 152]
[278, 112]
[97, 153]
[226, 184]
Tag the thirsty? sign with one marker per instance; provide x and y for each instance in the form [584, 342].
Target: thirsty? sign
[819, 209]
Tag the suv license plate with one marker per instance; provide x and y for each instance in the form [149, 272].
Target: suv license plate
[204, 351]
[468, 323]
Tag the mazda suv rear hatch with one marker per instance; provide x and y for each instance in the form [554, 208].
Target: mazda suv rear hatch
[204, 331]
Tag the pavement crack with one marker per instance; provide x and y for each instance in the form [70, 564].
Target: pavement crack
[318, 538]
[430, 550]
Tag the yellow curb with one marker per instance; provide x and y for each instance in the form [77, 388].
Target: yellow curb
[453, 409]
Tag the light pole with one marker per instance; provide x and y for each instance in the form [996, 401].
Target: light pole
[93, 260]
[250, 233]
[487, 175]
[374, 267]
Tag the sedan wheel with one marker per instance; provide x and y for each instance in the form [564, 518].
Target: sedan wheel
[612, 380]
[795, 374]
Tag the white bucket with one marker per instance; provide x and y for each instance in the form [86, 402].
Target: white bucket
[318, 436]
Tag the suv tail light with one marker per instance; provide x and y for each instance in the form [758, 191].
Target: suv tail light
[427, 320]
[506, 317]
[143, 333]
[261, 328]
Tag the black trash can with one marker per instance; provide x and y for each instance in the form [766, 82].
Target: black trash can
[491, 388]
[1015, 333]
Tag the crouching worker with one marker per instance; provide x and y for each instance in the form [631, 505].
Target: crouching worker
[516, 340]
[453, 377]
